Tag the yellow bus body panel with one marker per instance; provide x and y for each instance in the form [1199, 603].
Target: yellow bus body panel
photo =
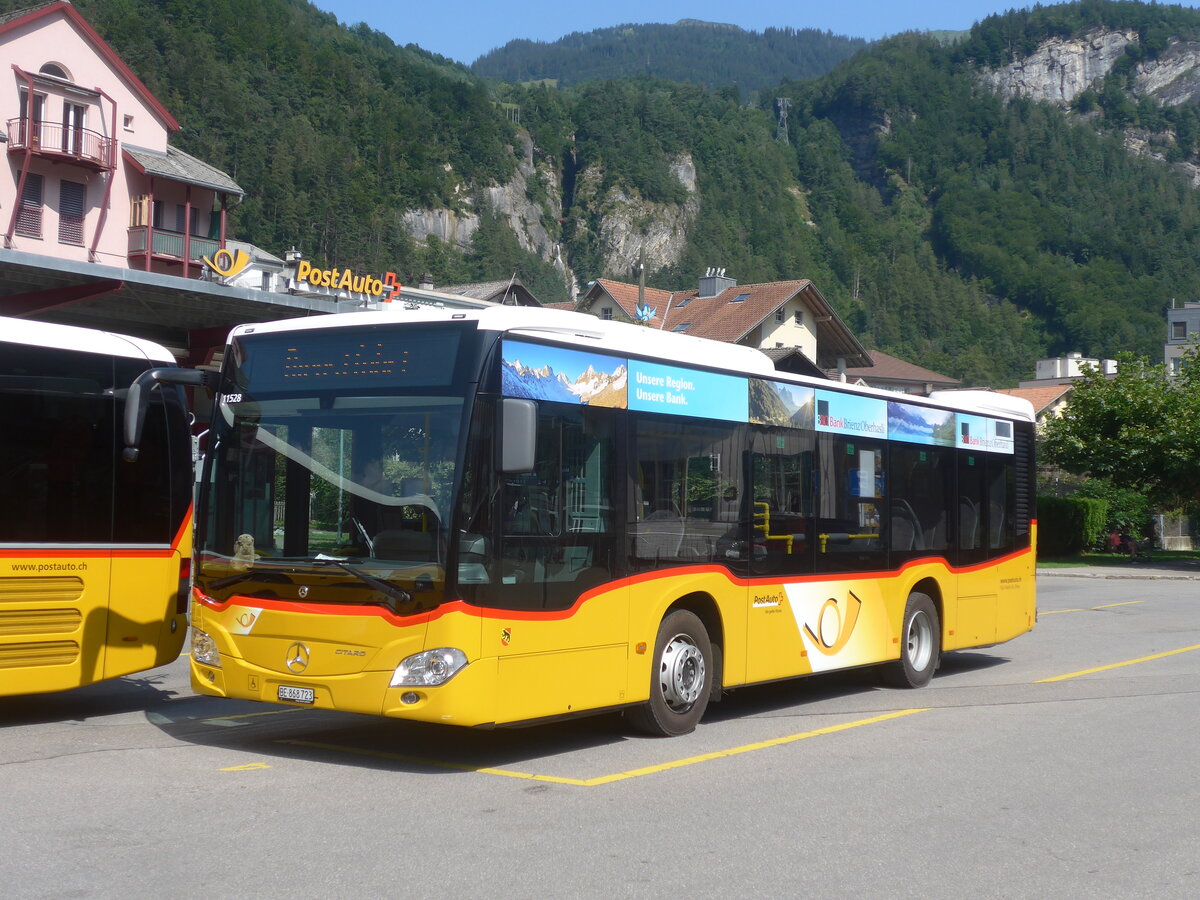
[527, 665]
[74, 617]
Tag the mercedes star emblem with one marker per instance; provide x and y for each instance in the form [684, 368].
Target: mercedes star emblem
[296, 657]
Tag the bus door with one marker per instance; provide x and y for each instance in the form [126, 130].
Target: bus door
[779, 515]
[557, 625]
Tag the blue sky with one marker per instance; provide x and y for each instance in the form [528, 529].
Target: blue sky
[466, 30]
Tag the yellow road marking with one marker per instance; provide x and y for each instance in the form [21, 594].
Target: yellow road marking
[1128, 662]
[246, 768]
[618, 776]
[269, 712]
[1051, 612]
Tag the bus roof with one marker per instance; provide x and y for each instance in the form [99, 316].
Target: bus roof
[599, 335]
[83, 340]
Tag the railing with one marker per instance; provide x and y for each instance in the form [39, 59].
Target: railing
[63, 142]
[169, 244]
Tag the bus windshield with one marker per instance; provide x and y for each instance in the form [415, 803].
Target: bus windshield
[348, 476]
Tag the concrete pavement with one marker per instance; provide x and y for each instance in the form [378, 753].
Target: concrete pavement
[1172, 569]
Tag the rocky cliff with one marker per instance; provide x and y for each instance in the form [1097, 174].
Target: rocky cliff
[1062, 69]
[531, 204]
[626, 225]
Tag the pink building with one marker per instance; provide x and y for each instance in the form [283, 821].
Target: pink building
[91, 176]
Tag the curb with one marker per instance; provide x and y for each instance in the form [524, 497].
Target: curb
[1116, 576]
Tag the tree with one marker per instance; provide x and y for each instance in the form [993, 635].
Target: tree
[1139, 430]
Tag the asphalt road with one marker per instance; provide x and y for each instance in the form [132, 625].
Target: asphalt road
[1062, 764]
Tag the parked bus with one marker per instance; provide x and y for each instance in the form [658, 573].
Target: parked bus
[95, 552]
[508, 515]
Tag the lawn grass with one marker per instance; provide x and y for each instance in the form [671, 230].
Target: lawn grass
[1116, 559]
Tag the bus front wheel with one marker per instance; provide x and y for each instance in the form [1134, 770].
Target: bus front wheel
[920, 644]
[680, 680]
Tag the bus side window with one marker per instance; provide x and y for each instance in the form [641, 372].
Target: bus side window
[852, 513]
[972, 507]
[686, 493]
[781, 512]
[921, 477]
[1000, 505]
[556, 536]
[56, 459]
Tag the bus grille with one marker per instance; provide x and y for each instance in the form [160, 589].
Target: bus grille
[38, 621]
[40, 590]
[44, 653]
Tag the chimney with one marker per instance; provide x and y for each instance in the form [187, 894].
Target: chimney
[714, 281]
[426, 282]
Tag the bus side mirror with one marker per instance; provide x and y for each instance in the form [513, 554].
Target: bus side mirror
[138, 399]
[518, 435]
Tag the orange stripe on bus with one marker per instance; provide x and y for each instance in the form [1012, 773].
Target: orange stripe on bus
[529, 615]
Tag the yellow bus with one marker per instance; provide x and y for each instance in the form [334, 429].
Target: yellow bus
[95, 552]
[510, 515]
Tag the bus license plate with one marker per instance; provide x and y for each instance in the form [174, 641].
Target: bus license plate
[296, 694]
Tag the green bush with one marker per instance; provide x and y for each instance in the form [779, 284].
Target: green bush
[1069, 525]
[1129, 510]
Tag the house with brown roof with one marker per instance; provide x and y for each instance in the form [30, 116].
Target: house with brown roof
[507, 291]
[787, 316]
[1048, 400]
[891, 374]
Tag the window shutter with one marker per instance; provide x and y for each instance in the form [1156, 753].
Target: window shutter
[29, 216]
[72, 198]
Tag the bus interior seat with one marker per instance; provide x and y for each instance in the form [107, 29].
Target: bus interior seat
[968, 524]
[905, 527]
[995, 525]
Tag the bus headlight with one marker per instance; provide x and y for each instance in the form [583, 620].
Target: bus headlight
[204, 649]
[429, 669]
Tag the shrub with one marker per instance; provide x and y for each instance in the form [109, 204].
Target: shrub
[1069, 525]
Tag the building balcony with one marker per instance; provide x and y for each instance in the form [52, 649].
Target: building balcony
[48, 140]
[168, 245]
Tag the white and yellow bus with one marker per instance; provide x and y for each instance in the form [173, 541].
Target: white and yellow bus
[508, 515]
[95, 552]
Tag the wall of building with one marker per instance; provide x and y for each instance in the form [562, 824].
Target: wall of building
[788, 333]
[54, 39]
[1183, 330]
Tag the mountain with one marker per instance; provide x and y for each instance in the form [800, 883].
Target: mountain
[536, 384]
[690, 50]
[968, 205]
[591, 387]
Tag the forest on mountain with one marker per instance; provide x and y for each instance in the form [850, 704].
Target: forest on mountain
[948, 226]
[689, 50]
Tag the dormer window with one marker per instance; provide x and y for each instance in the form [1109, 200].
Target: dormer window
[54, 70]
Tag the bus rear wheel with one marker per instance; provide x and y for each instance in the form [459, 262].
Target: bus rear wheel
[681, 678]
[920, 644]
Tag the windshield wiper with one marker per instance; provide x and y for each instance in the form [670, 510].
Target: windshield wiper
[397, 595]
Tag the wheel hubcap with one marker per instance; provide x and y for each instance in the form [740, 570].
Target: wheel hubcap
[920, 641]
[681, 674]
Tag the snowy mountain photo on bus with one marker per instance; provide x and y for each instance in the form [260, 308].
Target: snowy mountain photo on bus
[539, 372]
